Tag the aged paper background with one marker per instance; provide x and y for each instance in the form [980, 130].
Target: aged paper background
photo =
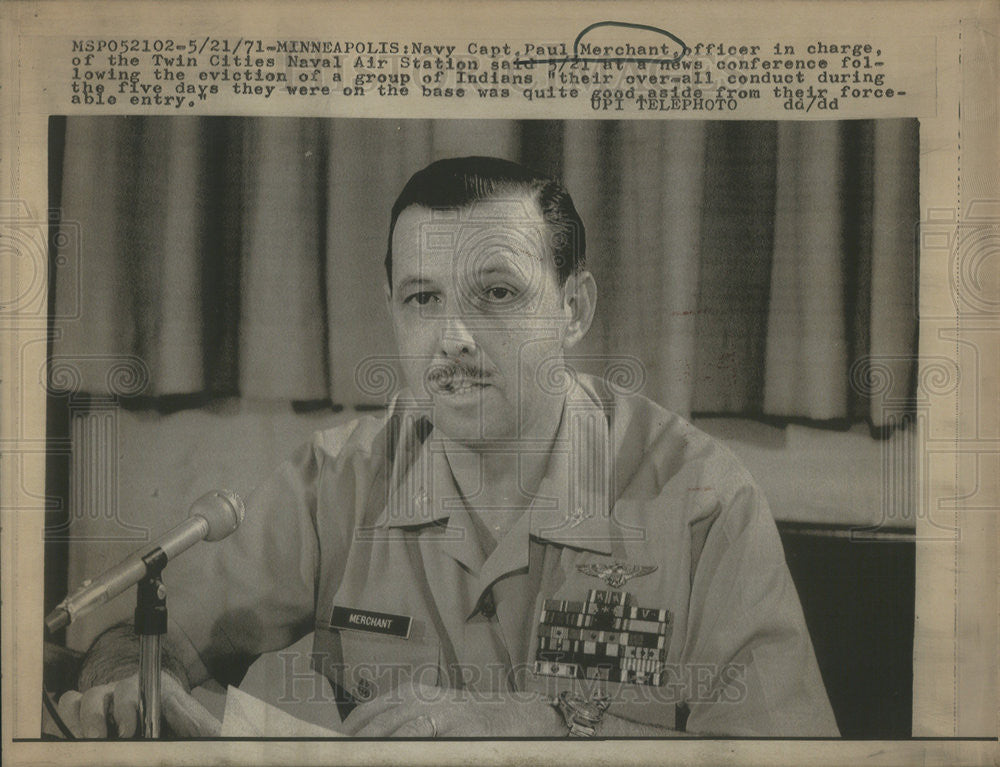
[945, 52]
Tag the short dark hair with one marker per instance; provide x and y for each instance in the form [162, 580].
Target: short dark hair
[459, 181]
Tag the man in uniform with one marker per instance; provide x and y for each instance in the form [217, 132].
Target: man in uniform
[513, 549]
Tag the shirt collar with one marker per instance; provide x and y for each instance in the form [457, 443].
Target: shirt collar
[572, 506]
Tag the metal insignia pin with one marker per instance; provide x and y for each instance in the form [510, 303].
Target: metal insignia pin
[577, 516]
[616, 574]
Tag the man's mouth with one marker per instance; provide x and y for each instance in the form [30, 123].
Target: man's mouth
[456, 382]
[462, 385]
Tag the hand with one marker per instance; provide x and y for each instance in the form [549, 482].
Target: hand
[423, 711]
[114, 708]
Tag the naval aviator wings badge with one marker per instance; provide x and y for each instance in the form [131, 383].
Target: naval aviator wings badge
[615, 574]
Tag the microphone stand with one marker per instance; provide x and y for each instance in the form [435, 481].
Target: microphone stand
[150, 626]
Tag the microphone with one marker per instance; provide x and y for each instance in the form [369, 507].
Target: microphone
[212, 517]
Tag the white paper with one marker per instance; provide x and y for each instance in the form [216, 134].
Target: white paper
[250, 717]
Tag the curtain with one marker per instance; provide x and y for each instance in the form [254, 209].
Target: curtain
[751, 267]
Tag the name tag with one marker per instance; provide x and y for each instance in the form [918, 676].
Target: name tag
[366, 620]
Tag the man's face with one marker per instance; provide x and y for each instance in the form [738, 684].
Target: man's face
[478, 311]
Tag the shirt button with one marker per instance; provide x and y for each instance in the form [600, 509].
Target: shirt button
[421, 501]
[364, 691]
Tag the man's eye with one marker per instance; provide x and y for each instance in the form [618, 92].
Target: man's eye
[499, 294]
[421, 298]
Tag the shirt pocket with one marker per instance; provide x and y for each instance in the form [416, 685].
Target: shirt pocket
[374, 665]
[657, 705]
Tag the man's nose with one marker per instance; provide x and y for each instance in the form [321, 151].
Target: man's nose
[456, 340]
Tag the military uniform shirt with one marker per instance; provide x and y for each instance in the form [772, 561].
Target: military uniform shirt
[364, 533]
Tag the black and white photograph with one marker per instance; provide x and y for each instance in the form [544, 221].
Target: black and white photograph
[482, 428]
[448, 383]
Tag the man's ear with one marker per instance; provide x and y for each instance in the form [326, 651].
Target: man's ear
[580, 300]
